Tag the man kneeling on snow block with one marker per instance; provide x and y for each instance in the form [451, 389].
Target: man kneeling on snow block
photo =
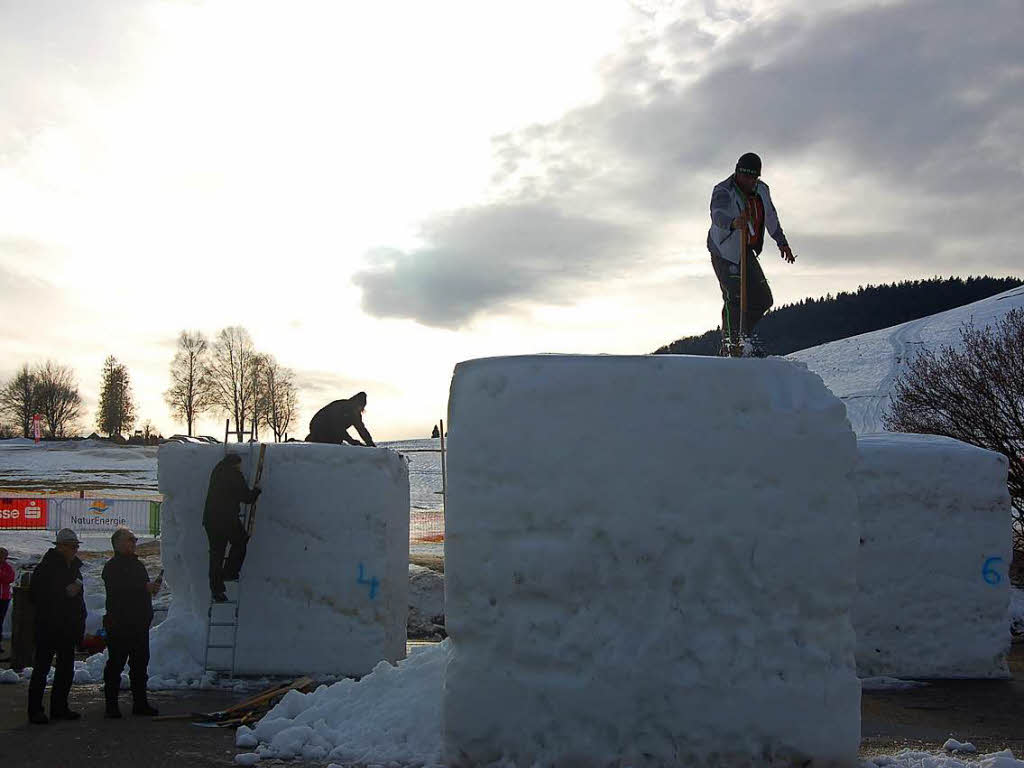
[227, 491]
[331, 423]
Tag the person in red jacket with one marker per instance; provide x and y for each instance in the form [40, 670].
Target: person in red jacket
[6, 579]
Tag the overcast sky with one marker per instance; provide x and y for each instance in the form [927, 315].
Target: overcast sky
[380, 190]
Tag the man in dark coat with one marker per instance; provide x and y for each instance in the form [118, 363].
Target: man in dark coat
[59, 602]
[129, 615]
[331, 423]
[227, 490]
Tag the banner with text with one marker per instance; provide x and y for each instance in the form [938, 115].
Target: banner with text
[85, 515]
[18, 514]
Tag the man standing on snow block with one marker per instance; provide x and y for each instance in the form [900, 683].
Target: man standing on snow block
[331, 423]
[129, 615]
[57, 595]
[743, 201]
[227, 490]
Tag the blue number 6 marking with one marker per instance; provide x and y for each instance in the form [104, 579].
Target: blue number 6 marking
[990, 574]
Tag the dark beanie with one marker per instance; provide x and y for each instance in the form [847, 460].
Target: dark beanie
[749, 163]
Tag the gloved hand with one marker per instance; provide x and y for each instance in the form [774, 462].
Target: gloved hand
[787, 253]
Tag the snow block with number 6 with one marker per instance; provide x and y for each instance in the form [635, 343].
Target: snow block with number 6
[935, 548]
[325, 583]
[649, 561]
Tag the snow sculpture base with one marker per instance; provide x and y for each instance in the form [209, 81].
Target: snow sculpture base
[935, 546]
[325, 583]
[649, 561]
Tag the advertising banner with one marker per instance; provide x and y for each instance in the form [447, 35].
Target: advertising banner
[23, 514]
[84, 515]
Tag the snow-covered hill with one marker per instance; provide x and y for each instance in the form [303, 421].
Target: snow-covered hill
[861, 370]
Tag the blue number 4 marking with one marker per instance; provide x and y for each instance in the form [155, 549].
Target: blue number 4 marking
[372, 583]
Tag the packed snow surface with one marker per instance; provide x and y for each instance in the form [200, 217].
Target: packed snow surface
[935, 533]
[706, 504]
[862, 370]
[325, 584]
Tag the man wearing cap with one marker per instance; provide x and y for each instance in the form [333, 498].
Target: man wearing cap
[742, 201]
[226, 491]
[59, 602]
[129, 615]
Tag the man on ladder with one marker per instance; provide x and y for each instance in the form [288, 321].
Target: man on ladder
[741, 211]
[226, 492]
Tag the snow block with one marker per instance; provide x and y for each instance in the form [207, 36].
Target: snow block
[325, 583]
[935, 547]
[649, 561]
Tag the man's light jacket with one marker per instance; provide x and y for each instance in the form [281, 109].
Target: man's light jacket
[726, 204]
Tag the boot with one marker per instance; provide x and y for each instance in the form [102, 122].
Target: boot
[112, 711]
[142, 707]
[38, 718]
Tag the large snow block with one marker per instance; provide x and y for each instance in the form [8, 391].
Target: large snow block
[325, 584]
[649, 561]
[935, 547]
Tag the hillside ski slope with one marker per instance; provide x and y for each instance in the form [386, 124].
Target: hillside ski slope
[862, 370]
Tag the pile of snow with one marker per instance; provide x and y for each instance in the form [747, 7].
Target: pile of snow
[862, 370]
[705, 505]
[325, 584]
[426, 602]
[909, 758]
[935, 547]
[392, 715]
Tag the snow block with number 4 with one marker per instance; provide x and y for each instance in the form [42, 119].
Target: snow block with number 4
[649, 561]
[325, 582]
[935, 547]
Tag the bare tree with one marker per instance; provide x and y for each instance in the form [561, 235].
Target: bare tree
[974, 393]
[189, 394]
[58, 399]
[18, 399]
[281, 397]
[116, 412]
[230, 375]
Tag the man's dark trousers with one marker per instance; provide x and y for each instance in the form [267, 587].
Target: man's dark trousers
[759, 295]
[235, 535]
[122, 647]
[48, 646]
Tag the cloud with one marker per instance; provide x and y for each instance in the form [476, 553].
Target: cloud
[323, 386]
[908, 117]
[493, 255]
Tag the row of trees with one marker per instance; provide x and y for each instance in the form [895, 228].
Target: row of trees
[229, 376]
[810, 322]
[226, 377]
[48, 389]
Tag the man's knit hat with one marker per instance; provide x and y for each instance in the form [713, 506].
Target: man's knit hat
[749, 163]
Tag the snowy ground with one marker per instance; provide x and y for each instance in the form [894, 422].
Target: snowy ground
[89, 465]
[861, 370]
[106, 469]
